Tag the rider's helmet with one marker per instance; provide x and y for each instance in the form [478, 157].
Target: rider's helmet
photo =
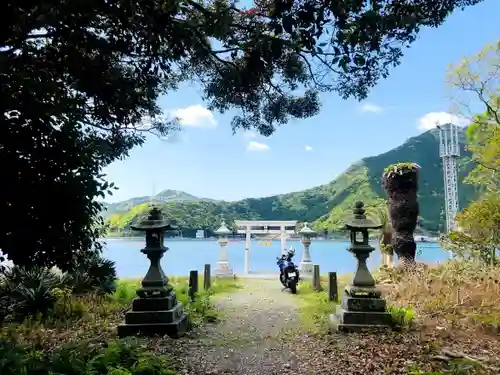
[291, 250]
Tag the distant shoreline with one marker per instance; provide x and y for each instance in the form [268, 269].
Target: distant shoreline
[176, 239]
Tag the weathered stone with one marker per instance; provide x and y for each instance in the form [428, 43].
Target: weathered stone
[156, 311]
[161, 316]
[154, 304]
[362, 307]
[363, 304]
[306, 266]
[364, 317]
[362, 292]
[173, 329]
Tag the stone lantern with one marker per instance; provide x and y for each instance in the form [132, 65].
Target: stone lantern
[306, 266]
[362, 305]
[222, 267]
[155, 310]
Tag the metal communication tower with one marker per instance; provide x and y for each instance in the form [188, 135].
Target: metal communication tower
[449, 151]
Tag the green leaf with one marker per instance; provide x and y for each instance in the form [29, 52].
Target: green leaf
[359, 60]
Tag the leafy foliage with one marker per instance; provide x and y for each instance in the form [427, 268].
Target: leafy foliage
[478, 77]
[29, 292]
[92, 274]
[118, 357]
[400, 168]
[379, 213]
[479, 235]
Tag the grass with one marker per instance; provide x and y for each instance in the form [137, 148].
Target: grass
[94, 318]
[315, 307]
[457, 293]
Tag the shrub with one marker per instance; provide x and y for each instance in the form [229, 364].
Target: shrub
[401, 316]
[28, 292]
[117, 357]
[93, 274]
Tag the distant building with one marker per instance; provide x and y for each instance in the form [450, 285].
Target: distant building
[200, 233]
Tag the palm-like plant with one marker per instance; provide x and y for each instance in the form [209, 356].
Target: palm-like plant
[380, 214]
[28, 291]
[92, 274]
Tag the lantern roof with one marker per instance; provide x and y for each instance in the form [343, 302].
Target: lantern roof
[223, 230]
[360, 221]
[306, 231]
[153, 221]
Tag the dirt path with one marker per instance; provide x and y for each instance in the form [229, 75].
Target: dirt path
[251, 339]
[260, 334]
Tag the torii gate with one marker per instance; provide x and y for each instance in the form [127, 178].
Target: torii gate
[249, 227]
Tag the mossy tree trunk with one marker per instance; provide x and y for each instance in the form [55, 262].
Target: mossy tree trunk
[403, 212]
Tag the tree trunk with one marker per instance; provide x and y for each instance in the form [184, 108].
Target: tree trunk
[384, 243]
[404, 211]
[390, 260]
[384, 259]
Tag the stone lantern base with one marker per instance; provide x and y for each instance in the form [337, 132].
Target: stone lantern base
[306, 268]
[223, 269]
[361, 308]
[153, 316]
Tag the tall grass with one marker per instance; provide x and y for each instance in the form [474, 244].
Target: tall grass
[457, 292]
[315, 307]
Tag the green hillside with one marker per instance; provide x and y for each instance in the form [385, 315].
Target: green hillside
[164, 196]
[325, 205]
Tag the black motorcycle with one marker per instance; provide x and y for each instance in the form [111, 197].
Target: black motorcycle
[289, 272]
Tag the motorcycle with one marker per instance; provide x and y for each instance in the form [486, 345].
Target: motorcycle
[289, 273]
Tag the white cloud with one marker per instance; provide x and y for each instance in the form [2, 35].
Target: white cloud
[257, 146]
[372, 108]
[195, 116]
[249, 134]
[431, 119]
[308, 148]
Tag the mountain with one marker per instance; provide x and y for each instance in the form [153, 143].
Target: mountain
[164, 196]
[326, 205]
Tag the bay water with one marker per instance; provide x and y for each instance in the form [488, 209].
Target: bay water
[186, 255]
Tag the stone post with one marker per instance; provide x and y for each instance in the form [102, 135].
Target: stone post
[306, 265]
[362, 305]
[247, 250]
[156, 310]
[222, 267]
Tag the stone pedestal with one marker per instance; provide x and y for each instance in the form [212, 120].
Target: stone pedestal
[155, 316]
[306, 265]
[222, 267]
[361, 309]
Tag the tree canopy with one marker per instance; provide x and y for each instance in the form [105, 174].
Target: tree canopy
[475, 82]
[79, 78]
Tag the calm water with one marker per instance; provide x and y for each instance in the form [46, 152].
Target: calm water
[186, 255]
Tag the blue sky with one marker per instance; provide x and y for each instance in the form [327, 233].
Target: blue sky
[207, 160]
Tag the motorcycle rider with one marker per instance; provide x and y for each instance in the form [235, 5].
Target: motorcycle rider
[287, 257]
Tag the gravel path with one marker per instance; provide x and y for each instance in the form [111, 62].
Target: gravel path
[260, 334]
[252, 337]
